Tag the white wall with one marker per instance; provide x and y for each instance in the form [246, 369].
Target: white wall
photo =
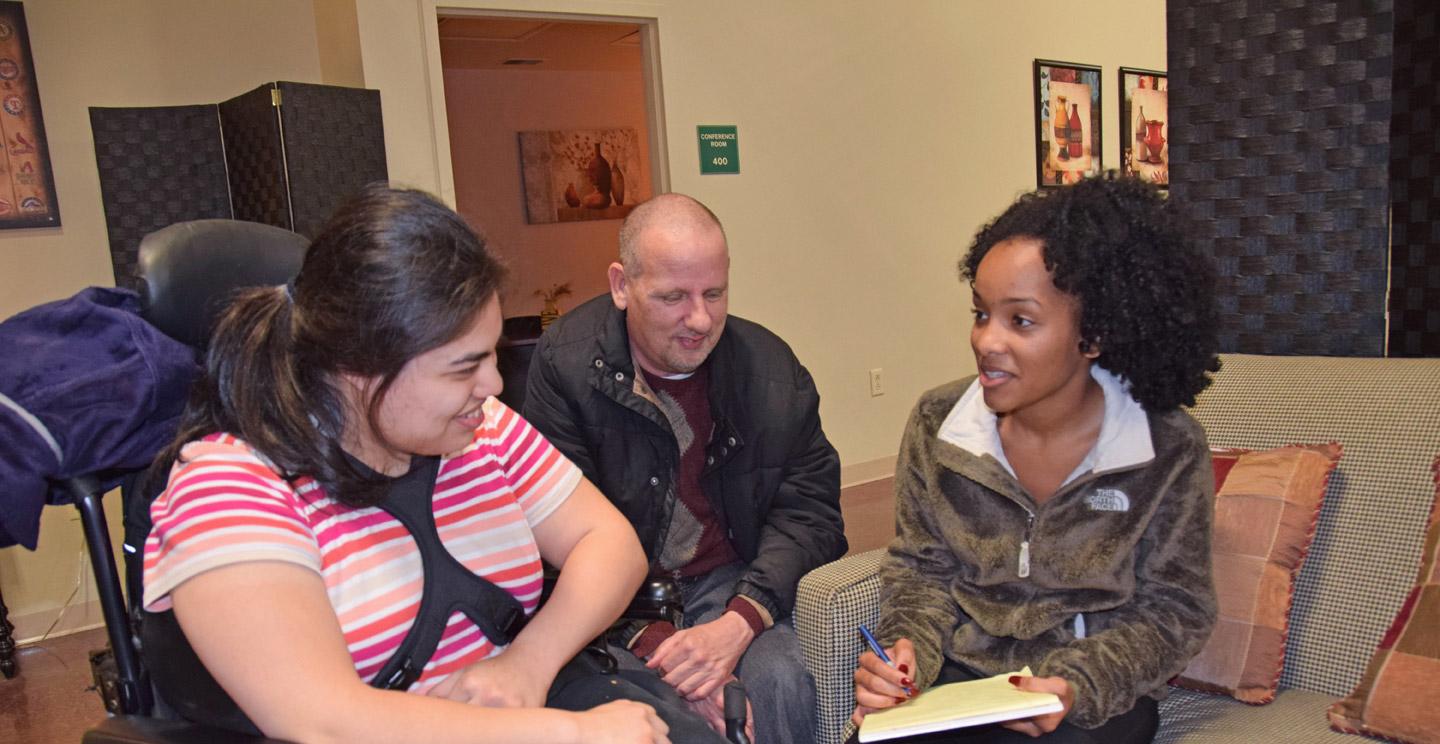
[119, 53]
[485, 109]
[875, 139]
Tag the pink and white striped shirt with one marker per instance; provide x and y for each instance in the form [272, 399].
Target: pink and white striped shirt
[225, 504]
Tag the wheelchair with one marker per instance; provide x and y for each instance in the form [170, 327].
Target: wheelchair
[189, 271]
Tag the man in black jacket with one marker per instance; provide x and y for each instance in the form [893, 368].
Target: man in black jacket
[705, 431]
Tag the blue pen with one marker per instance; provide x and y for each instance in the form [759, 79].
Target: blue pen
[875, 646]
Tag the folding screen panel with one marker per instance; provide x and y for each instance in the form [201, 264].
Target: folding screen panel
[1280, 119]
[333, 145]
[158, 166]
[284, 154]
[1415, 182]
[255, 157]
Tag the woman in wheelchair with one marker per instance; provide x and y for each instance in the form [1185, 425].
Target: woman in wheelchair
[282, 543]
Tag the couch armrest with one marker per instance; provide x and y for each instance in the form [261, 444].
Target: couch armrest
[831, 603]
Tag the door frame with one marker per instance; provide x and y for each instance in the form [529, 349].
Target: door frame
[650, 68]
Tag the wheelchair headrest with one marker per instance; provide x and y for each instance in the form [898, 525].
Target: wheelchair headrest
[189, 271]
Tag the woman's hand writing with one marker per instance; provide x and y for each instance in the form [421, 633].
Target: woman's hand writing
[878, 685]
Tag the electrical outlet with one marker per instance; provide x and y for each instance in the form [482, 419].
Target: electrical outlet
[877, 387]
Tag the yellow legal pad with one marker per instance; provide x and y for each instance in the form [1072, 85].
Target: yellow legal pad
[957, 705]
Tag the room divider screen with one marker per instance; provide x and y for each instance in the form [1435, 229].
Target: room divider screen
[283, 154]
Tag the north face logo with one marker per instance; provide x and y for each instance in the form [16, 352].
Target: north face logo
[1108, 499]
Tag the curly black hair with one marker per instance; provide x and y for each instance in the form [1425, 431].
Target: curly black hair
[1146, 293]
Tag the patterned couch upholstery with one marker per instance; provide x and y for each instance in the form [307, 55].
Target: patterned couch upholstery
[1386, 414]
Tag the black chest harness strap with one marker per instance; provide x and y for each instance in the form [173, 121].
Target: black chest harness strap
[449, 587]
[188, 687]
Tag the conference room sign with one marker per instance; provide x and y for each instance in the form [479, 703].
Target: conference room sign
[719, 149]
[27, 184]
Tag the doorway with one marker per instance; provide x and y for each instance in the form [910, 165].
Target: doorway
[554, 135]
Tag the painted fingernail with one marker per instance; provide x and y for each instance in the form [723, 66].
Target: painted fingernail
[904, 668]
[1015, 680]
[905, 682]
[899, 699]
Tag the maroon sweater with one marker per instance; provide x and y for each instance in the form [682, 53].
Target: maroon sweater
[695, 544]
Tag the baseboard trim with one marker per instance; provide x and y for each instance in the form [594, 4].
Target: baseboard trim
[864, 472]
[81, 616]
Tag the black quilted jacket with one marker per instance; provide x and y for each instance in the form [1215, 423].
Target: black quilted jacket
[772, 475]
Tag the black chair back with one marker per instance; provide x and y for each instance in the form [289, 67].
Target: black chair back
[190, 269]
[188, 272]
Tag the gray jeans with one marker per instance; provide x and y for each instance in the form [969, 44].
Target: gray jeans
[781, 692]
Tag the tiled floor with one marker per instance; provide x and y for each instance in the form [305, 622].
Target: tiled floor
[51, 701]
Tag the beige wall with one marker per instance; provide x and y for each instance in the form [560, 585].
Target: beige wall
[119, 53]
[485, 109]
[874, 140]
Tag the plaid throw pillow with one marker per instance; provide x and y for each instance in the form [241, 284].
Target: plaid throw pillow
[1266, 504]
[1397, 697]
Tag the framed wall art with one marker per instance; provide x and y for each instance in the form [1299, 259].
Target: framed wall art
[1067, 122]
[581, 174]
[1144, 125]
[27, 185]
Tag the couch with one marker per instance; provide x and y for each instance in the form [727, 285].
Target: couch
[1367, 543]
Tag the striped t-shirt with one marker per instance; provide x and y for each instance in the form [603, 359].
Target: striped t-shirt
[225, 504]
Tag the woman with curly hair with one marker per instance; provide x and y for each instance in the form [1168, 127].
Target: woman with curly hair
[1054, 510]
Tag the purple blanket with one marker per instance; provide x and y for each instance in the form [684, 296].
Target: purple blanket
[86, 387]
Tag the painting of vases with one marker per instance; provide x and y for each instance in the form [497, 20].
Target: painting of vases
[1145, 125]
[1067, 118]
[572, 175]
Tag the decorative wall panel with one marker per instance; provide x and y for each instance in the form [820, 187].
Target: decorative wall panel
[1280, 116]
[333, 146]
[1415, 182]
[255, 157]
[286, 160]
[158, 166]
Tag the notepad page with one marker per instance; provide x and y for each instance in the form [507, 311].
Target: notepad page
[956, 705]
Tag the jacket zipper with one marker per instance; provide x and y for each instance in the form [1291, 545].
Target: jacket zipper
[1024, 568]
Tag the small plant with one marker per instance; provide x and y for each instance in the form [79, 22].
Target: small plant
[551, 310]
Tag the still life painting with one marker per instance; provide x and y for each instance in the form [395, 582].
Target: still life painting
[571, 175]
[1145, 125]
[1067, 122]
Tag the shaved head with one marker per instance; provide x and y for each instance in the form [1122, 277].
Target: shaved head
[667, 212]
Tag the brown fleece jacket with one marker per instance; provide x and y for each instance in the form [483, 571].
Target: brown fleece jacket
[1140, 576]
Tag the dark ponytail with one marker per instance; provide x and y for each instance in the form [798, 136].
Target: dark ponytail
[393, 274]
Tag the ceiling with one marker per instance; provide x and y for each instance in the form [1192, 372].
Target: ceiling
[486, 43]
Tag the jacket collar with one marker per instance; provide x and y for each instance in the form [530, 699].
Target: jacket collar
[1124, 432]
[613, 371]
[613, 341]
[612, 349]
